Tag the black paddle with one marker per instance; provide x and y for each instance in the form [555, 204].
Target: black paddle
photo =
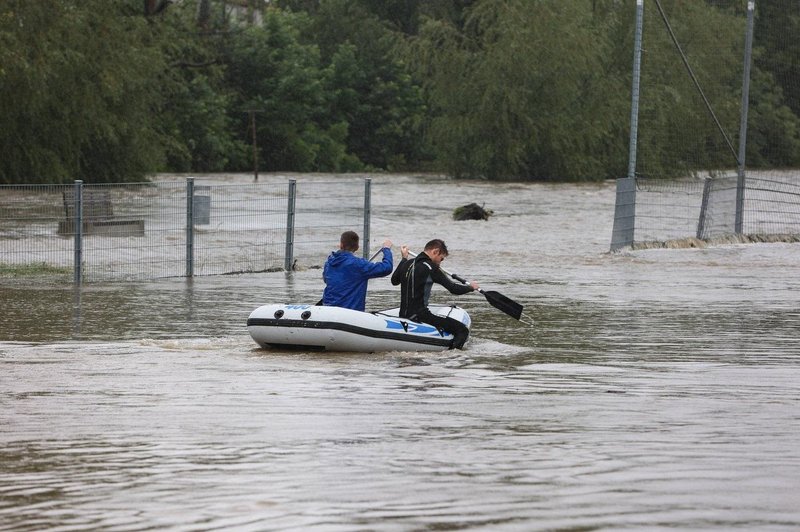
[495, 299]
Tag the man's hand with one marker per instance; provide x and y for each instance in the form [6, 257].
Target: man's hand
[387, 243]
[404, 251]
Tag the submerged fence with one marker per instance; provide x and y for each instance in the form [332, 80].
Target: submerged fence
[93, 232]
[679, 213]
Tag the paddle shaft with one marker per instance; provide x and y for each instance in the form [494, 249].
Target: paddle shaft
[375, 255]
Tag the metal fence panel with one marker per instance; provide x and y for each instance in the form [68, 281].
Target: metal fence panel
[245, 230]
[29, 239]
[139, 230]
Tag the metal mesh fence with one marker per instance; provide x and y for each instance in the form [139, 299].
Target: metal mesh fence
[240, 227]
[146, 237]
[143, 230]
[29, 239]
[680, 212]
[323, 211]
[667, 209]
[772, 206]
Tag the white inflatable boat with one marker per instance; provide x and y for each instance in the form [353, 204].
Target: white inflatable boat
[319, 328]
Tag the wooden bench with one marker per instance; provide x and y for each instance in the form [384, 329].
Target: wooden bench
[98, 216]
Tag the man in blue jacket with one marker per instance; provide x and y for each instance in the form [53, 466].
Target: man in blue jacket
[346, 275]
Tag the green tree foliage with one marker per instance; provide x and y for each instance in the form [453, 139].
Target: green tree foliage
[368, 87]
[776, 31]
[524, 91]
[773, 137]
[76, 92]
[112, 90]
[195, 115]
[678, 134]
[280, 79]
[542, 90]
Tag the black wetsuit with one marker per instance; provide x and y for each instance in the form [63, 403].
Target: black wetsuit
[416, 277]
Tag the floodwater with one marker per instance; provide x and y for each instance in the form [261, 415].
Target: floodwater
[655, 389]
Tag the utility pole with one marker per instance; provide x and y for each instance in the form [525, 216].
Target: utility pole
[252, 113]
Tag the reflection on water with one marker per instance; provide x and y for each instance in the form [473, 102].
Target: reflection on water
[657, 389]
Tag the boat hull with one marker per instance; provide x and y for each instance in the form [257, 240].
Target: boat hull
[320, 328]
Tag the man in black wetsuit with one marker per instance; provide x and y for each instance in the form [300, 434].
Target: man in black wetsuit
[416, 277]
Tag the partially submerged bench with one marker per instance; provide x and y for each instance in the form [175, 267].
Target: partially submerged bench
[97, 216]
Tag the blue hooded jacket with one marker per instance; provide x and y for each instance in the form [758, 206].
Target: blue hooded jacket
[346, 278]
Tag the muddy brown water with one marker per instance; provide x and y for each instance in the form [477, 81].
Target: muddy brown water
[656, 389]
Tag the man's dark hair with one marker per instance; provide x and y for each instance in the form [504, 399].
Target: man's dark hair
[349, 241]
[436, 243]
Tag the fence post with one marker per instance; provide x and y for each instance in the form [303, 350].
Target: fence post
[701, 221]
[367, 215]
[637, 74]
[290, 214]
[625, 208]
[189, 227]
[78, 224]
[740, 182]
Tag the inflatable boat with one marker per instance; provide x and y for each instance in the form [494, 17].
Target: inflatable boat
[319, 328]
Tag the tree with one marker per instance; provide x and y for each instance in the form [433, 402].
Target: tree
[677, 134]
[523, 91]
[276, 74]
[777, 26]
[368, 87]
[76, 92]
[196, 115]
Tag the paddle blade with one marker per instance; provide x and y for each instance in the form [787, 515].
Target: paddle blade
[503, 303]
